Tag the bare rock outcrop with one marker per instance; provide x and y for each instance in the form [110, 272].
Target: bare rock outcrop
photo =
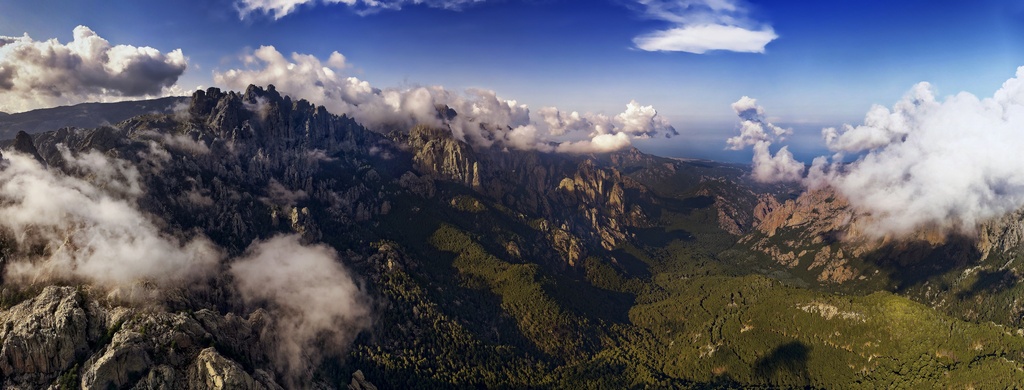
[43, 336]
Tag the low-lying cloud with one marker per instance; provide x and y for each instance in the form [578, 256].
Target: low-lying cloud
[67, 228]
[482, 118]
[700, 26]
[948, 163]
[944, 164]
[317, 306]
[37, 74]
[758, 132]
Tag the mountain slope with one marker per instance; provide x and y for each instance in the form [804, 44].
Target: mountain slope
[85, 115]
[446, 266]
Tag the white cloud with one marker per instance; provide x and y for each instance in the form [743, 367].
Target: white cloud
[753, 124]
[37, 74]
[881, 127]
[482, 117]
[700, 26]
[756, 131]
[560, 123]
[599, 144]
[643, 121]
[281, 8]
[65, 228]
[705, 38]
[750, 134]
[316, 304]
[951, 163]
[748, 109]
[94, 233]
[526, 138]
[781, 167]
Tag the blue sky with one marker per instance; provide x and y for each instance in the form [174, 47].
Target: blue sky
[830, 62]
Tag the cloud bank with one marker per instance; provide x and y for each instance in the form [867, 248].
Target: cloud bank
[477, 116]
[317, 306]
[756, 131]
[36, 74]
[700, 26]
[278, 9]
[947, 163]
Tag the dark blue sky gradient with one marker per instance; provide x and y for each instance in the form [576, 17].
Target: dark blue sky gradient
[831, 62]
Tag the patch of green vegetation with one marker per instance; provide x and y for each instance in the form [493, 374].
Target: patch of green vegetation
[680, 304]
[754, 330]
[11, 296]
[69, 380]
[108, 336]
[521, 288]
[446, 351]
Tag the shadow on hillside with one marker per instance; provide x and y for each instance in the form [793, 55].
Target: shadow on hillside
[787, 363]
[990, 282]
[631, 266]
[687, 205]
[661, 206]
[660, 237]
[585, 300]
[912, 263]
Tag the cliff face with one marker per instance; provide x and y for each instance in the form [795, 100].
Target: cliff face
[437, 153]
[239, 167]
[822, 233]
[581, 203]
[62, 336]
[234, 168]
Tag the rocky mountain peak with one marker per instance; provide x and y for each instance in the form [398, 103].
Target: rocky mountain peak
[438, 153]
[23, 143]
[272, 121]
[446, 113]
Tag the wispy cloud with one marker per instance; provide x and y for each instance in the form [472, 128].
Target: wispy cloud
[278, 9]
[700, 26]
[317, 304]
[91, 230]
[37, 74]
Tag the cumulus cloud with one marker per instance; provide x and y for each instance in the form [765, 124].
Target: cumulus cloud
[281, 8]
[67, 228]
[781, 167]
[37, 74]
[477, 116]
[599, 144]
[700, 26]
[754, 127]
[317, 306]
[757, 131]
[560, 123]
[881, 126]
[947, 163]
[643, 122]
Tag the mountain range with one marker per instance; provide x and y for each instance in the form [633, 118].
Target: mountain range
[254, 240]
